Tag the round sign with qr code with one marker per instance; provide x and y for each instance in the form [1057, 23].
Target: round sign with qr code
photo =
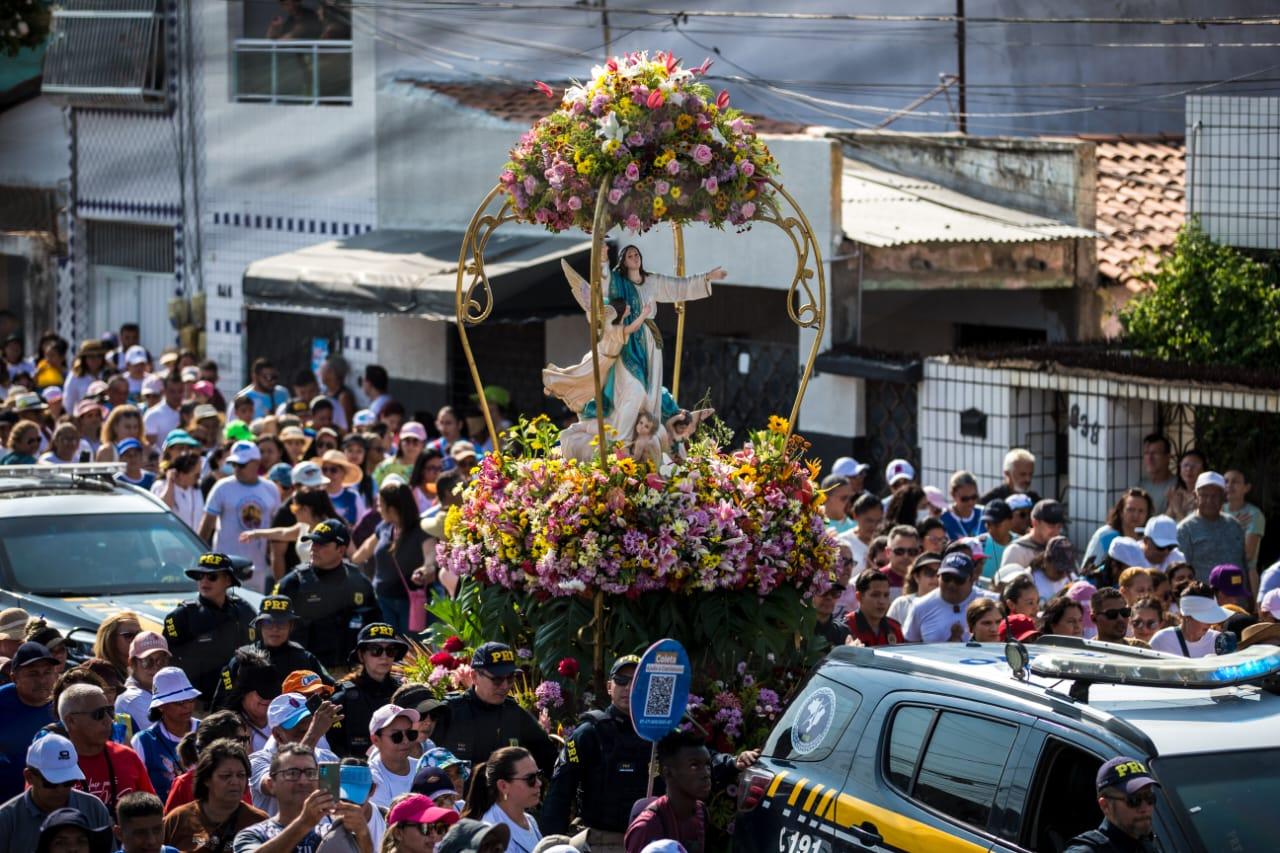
[813, 722]
[660, 690]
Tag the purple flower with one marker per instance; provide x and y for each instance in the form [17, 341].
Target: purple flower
[548, 695]
[615, 196]
[530, 184]
[701, 154]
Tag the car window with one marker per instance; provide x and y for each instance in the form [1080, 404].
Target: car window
[815, 721]
[949, 761]
[1225, 795]
[906, 739]
[98, 554]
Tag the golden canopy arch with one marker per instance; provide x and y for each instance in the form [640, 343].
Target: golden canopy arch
[473, 297]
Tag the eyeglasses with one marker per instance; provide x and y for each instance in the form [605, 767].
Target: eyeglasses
[437, 828]
[401, 735]
[1147, 797]
[379, 651]
[622, 680]
[293, 774]
[1150, 624]
[1116, 613]
[966, 499]
[905, 552]
[153, 662]
[106, 712]
[953, 578]
[498, 679]
[532, 780]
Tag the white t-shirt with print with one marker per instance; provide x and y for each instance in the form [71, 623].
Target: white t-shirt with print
[239, 508]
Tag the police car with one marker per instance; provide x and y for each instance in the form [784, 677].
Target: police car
[950, 747]
[77, 547]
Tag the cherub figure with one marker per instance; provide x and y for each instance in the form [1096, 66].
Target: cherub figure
[680, 428]
[645, 446]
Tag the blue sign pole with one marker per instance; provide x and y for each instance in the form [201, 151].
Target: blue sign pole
[660, 694]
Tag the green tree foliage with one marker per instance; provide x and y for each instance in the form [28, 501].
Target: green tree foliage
[1211, 304]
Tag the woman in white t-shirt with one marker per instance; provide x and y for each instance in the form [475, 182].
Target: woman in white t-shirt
[502, 789]
[1196, 637]
[179, 488]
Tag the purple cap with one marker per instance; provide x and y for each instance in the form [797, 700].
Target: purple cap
[1227, 579]
[1125, 774]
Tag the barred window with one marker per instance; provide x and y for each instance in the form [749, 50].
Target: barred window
[148, 248]
[106, 53]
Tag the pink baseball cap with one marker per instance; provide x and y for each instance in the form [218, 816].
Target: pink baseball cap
[204, 388]
[419, 808]
[147, 643]
[413, 429]
[86, 406]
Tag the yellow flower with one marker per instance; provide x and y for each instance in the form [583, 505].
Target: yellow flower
[587, 164]
[675, 192]
[628, 466]
[778, 424]
[659, 206]
[684, 121]
[815, 468]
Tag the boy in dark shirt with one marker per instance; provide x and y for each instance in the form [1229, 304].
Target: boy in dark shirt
[680, 815]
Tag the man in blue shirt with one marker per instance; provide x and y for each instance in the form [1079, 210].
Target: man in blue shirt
[26, 706]
[266, 394]
[52, 767]
[139, 824]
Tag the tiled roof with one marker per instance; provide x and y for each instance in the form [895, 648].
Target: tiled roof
[525, 105]
[1141, 205]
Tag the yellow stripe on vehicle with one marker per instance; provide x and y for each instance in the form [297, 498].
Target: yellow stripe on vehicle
[777, 780]
[898, 830]
[795, 791]
[824, 807]
[813, 795]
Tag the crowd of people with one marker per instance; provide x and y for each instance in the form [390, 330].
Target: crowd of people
[1174, 568]
[286, 727]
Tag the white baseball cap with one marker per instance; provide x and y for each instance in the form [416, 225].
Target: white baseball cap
[171, 685]
[287, 710]
[1203, 609]
[1128, 551]
[308, 474]
[244, 452]
[135, 355]
[935, 497]
[385, 715]
[364, 418]
[847, 466]
[1270, 603]
[152, 385]
[1211, 478]
[899, 469]
[54, 757]
[1162, 530]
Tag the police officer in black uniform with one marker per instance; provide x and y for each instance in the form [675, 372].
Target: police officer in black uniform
[603, 768]
[1127, 797]
[205, 633]
[377, 649]
[272, 626]
[484, 718]
[332, 599]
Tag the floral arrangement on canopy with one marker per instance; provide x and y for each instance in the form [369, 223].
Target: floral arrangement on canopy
[670, 148]
[746, 520]
[23, 23]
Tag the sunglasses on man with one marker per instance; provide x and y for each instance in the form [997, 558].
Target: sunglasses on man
[1145, 797]
[401, 735]
[1115, 613]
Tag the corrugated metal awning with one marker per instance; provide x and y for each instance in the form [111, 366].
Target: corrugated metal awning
[886, 209]
[415, 273]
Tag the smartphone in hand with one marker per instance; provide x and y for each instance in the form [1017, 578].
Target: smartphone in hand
[330, 778]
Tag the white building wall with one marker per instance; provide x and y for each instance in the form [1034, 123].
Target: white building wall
[1233, 168]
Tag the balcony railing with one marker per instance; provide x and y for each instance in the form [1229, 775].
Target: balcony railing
[279, 71]
[106, 53]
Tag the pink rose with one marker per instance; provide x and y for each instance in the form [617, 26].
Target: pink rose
[661, 187]
[701, 154]
[508, 177]
[633, 222]
[575, 203]
[615, 196]
[747, 168]
[633, 171]
[711, 185]
[748, 209]
[673, 168]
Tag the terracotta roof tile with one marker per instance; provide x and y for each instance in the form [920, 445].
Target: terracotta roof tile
[526, 105]
[1141, 205]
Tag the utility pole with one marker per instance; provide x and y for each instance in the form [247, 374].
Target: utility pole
[960, 76]
[604, 22]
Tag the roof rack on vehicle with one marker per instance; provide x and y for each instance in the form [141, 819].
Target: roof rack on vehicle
[1088, 662]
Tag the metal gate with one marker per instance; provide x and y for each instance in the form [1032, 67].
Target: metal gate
[892, 428]
[286, 339]
[747, 380]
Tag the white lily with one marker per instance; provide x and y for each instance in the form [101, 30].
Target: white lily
[611, 128]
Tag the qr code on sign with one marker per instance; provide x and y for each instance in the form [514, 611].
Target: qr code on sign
[657, 702]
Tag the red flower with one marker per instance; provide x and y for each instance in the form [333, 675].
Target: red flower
[454, 644]
[655, 99]
[544, 88]
[722, 100]
[568, 667]
[445, 660]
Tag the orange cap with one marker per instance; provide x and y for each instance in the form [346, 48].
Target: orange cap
[307, 683]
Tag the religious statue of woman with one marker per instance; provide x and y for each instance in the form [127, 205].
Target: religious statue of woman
[633, 383]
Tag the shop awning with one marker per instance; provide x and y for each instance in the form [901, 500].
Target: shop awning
[415, 272]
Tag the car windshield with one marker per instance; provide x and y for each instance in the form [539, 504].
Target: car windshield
[1224, 794]
[97, 554]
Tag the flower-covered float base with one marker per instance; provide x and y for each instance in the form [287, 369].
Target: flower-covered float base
[719, 550]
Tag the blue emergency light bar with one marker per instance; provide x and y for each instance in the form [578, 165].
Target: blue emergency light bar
[1098, 666]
